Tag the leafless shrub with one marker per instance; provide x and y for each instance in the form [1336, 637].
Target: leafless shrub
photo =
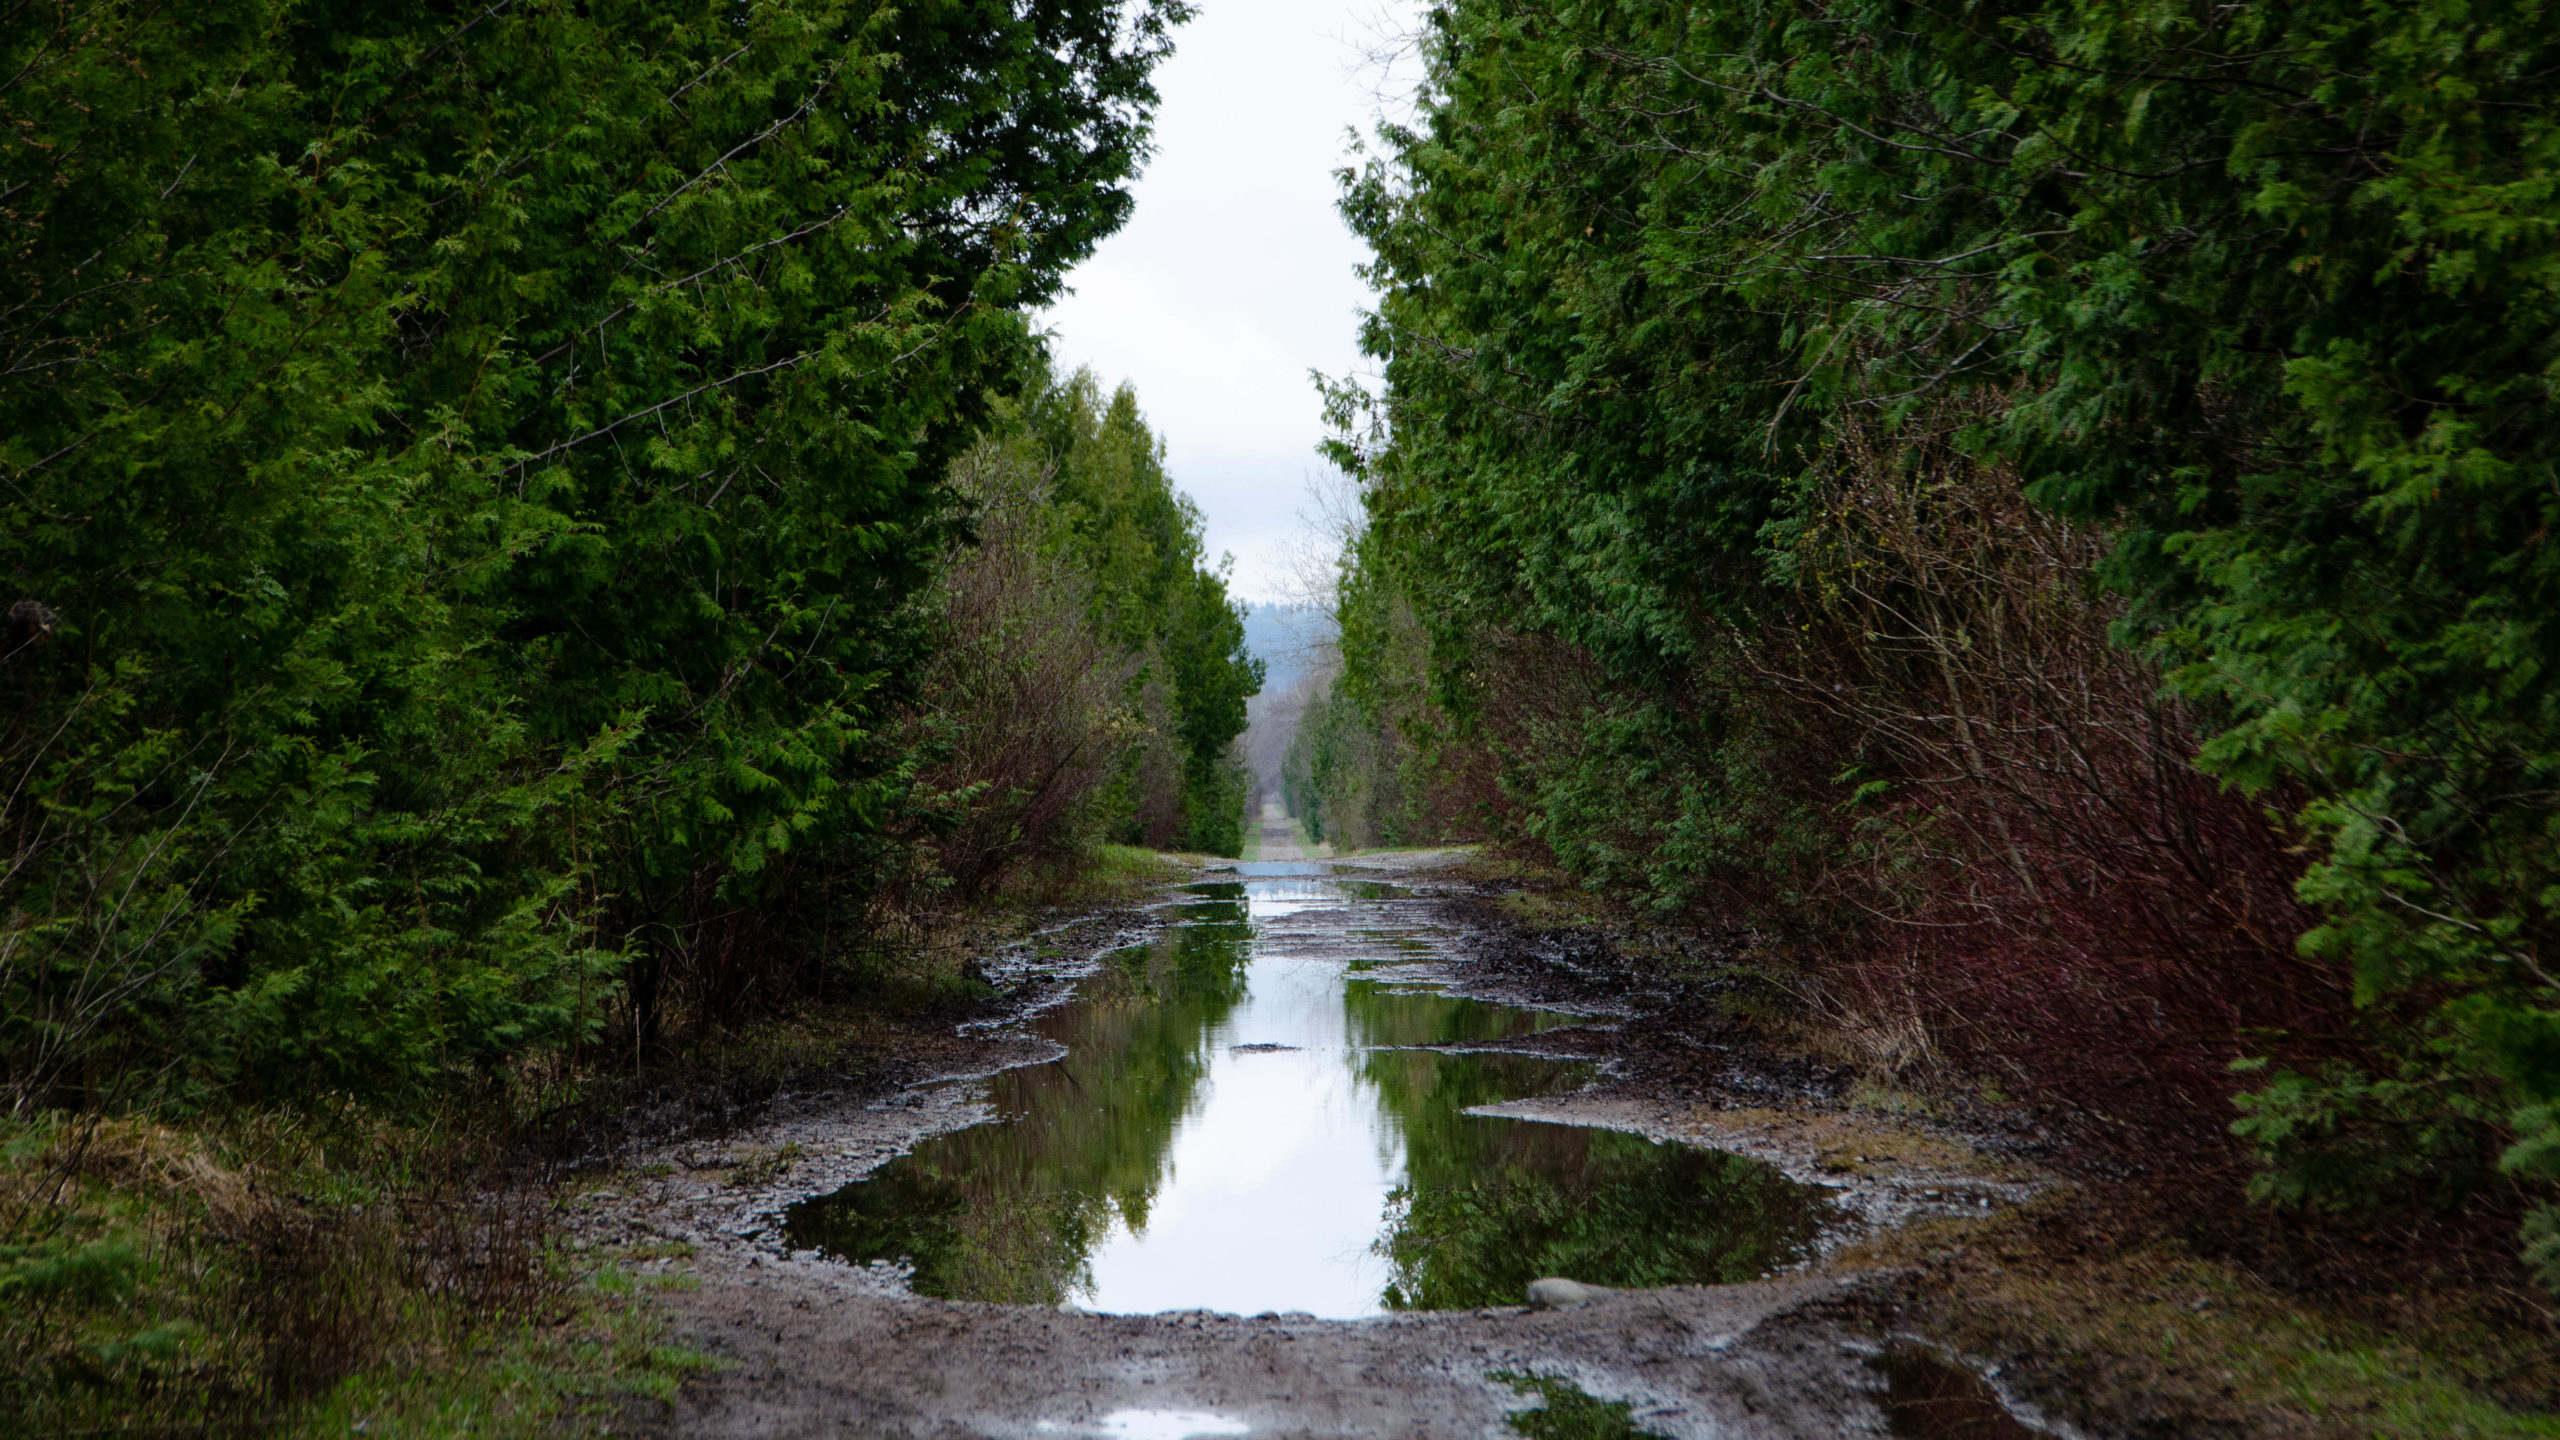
[2050, 886]
[1026, 703]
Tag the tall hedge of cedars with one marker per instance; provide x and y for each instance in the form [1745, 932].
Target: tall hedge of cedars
[1153, 596]
[2261, 295]
[466, 467]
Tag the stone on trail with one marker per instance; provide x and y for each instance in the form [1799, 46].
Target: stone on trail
[1554, 1293]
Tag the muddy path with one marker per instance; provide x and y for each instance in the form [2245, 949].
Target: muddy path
[1107, 1214]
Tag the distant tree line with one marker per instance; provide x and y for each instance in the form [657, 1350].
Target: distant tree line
[2042, 511]
[529, 522]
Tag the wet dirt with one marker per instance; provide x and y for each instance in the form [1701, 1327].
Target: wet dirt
[816, 1343]
[1928, 1397]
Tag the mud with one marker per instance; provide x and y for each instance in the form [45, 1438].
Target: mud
[1731, 1361]
[816, 1348]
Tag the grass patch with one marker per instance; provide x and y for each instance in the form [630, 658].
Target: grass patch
[293, 1274]
[1124, 864]
[1546, 907]
[1104, 876]
[765, 1167]
[587, 1369]
[1564, 1412]
[331, 1269]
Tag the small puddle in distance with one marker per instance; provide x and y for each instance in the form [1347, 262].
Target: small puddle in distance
[1151, 1425]
[1926, 1398]
[1246, 1126]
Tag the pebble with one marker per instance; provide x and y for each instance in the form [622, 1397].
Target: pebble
[1555, 1293]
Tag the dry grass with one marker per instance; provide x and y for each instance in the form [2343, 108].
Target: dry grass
[246, 1273]
[2099, 1308]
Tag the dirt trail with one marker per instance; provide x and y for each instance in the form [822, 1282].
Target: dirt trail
[817, 1348]
[1748, 1360]
[1279, 838]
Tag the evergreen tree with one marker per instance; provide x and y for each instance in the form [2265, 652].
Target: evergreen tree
[467, 467]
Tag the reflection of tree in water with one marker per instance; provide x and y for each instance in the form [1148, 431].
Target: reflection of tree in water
[1013, 1211]
[1379, 1014]
[1489, 1205]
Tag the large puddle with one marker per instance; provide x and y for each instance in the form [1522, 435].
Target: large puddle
[1241, 1124]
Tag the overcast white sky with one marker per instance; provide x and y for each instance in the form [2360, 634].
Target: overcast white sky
[1234, 278]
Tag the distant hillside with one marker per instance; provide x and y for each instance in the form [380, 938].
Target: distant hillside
[1282, 636]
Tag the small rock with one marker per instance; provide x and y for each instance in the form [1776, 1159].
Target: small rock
[1554, 1293]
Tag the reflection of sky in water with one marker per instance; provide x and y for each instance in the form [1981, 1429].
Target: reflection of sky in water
[1271, 899]
[1155, 1425]
[1277, 1176]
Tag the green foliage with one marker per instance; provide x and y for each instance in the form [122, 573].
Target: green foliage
[465, 473]
[1602, 1208]
[1369, 763]
[2340, 1139]
[97, 1270]
[2266, 291]
[1340, 775]
[2542, 1244]
[1139, 540]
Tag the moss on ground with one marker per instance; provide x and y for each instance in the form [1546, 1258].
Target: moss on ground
[2102, 1314]
[1564, 1412]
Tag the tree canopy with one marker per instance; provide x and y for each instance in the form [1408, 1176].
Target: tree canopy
[469, 468]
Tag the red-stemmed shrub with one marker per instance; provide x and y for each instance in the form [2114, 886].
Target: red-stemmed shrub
[2045, 888]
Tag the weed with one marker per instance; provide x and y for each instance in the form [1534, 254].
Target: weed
[766, 1168]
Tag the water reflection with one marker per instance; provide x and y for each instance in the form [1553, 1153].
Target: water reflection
[1271, 899]
[1012, 1211]
[1386, 1014]
[1494, 1204]
[1926, 1398]
[1239, 1125]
